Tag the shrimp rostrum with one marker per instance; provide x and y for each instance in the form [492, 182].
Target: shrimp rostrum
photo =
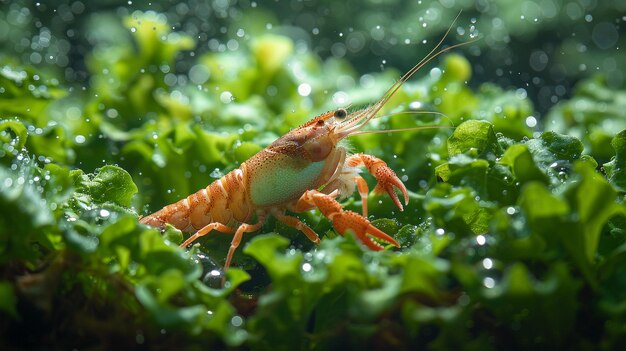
[305, 169]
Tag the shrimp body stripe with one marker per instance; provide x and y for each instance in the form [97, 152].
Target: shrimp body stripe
[224, 201]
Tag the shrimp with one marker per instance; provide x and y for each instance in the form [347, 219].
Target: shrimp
[307, 168]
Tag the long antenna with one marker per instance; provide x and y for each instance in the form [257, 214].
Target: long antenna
[370, 113]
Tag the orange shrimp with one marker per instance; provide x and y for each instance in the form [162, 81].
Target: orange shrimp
[306, 168]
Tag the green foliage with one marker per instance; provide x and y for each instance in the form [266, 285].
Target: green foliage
[593, 115]
[615, 168]
[510, 234]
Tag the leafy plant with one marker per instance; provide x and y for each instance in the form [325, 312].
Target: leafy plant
[513, 236]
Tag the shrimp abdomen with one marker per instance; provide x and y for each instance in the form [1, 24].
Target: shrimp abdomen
[223, 201]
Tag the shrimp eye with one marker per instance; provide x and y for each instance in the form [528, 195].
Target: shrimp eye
[341, 113]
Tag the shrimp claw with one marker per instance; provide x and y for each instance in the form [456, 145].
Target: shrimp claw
[385, 176]
[345, 220]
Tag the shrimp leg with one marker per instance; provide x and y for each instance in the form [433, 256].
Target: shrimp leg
[364, 190]
[243, 228]
[205, 230]
[298, 224]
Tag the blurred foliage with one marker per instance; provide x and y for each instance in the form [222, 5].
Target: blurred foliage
[514, 236]
[539, 47]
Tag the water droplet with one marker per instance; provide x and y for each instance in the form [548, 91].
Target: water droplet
[487, 263]
[213, 278]
[416, 105]
[199, 74]
[481, 240]
[226, 97]
[340, 98]
[272, 90]
[216, 173]
[236, 321]
[306, 267]
[104, 213]
[304, 89]
[112, 113]
[489, 282]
